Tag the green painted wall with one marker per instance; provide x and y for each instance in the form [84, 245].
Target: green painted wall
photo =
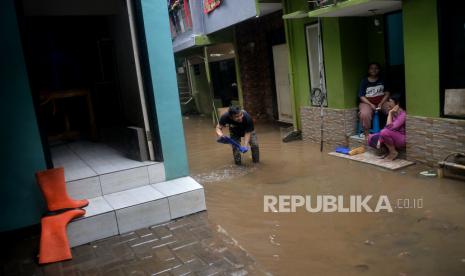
[354, 57]
[421, 54]
[333, 62]
[20, 144]
[201, 91]
[349, 44]
[163, 73]
[298, 62]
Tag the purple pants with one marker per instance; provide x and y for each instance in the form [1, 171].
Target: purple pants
[392, 137]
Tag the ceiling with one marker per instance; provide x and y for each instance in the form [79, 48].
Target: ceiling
[267, 8]
[363, 8]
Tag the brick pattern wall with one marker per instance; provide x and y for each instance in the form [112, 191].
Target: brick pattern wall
[256, 63]
[430, 140]
[338, 124]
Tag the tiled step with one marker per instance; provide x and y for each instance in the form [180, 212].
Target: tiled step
[126, 211]
[117, 181]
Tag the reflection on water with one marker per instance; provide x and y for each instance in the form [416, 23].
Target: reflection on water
[426, 241]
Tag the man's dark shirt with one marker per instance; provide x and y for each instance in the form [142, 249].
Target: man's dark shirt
[235, 128]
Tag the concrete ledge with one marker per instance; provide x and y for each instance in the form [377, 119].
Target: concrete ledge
[156, 173]
[185, 196]
[187, 203]
[136, 208]
[98, 185]
[84, 188]
[93, 228]
[143, 215]
[124, 180]
[177, 186]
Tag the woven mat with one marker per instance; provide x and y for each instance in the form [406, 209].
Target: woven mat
[370, 158]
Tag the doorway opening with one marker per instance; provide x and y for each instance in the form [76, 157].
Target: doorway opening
[316, 65]
[87, 85]
[282, 83]
[223, 74]
[224, 83]
[394, 47]
[451, 56]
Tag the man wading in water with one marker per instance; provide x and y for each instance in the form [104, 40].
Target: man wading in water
[240, 125]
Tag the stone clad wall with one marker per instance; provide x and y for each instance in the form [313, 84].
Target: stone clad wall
[430, 140]
[255, 39]
[338, 125]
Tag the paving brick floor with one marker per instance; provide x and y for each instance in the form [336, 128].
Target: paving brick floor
[187, 246]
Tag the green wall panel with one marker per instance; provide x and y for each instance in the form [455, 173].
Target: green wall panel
[355, 56]
[333, 62]
[298, 62]
[20, 144]
[421, 53]
[165, 89]
[349, 44]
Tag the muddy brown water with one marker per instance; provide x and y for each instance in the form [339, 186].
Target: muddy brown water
[421, 241]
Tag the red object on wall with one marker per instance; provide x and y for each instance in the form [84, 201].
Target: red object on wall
[187, 13]
[210, 5]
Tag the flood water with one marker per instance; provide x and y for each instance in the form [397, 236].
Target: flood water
[421, 241]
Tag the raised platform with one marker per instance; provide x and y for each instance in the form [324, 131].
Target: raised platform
[370, 158]
[132, 209]
[359, 140]
[124, 195]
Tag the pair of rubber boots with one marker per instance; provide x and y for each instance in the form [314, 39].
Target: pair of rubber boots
[54, 245]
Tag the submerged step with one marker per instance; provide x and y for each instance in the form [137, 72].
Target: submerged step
[136, 208]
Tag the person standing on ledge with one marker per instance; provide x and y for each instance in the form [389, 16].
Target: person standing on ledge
[240, 125]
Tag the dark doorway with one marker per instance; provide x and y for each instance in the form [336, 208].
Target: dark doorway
[81, 61]
[394, 43]
[223, 74]
[452, 57]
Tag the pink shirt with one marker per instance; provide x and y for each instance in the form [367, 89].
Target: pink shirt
[398, 122]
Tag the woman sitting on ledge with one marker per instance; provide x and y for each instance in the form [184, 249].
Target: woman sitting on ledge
[373, 95]
[392, 136]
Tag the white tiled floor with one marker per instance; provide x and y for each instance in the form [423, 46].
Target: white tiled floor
[75, 167]
[132, 197]
[82, 159]
[177, 186]
[128, 210]
[123, 194]
[103, 159]
[97, 205]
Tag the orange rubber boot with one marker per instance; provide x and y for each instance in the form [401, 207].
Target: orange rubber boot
[54, 246]
[53, 187]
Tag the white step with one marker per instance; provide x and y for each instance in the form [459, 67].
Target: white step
[132, 209]
[108, 183]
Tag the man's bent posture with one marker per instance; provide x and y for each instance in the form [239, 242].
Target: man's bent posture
[240, 125]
